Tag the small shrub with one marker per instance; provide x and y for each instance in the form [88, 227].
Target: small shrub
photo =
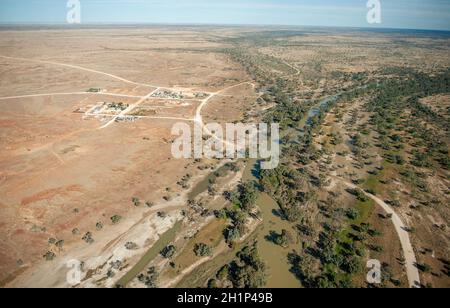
[202, 250]
[116, 219]
[168, 252]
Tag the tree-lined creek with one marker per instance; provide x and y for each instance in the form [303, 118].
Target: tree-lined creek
[274, 256]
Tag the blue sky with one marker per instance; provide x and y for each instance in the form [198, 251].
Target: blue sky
[412, 14]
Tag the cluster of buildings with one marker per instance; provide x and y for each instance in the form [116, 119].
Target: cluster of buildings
[126, 118]
[168, 94]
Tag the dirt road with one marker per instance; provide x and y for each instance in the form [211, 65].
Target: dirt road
[408, 251]
[79, 68]
[68, 94]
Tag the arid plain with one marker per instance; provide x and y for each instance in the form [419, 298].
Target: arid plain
[66, 172]
[87, 173]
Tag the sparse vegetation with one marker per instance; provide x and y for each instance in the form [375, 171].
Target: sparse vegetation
[49, 256]
[88, 238]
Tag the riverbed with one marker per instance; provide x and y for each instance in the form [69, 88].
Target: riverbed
[275, 256]
[164, 240]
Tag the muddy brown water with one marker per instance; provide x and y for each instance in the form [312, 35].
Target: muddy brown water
[275, 256]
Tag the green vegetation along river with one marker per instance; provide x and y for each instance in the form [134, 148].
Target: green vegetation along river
[275, 257]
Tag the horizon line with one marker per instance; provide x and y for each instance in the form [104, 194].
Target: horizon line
[112, 24]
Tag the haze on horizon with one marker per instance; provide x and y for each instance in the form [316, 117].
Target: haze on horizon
[409, 14]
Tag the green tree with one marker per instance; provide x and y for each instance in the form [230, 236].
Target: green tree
[202, 250]
[168, 252]
[116, 219]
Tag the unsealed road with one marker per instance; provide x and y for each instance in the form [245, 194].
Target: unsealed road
[408, 251]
